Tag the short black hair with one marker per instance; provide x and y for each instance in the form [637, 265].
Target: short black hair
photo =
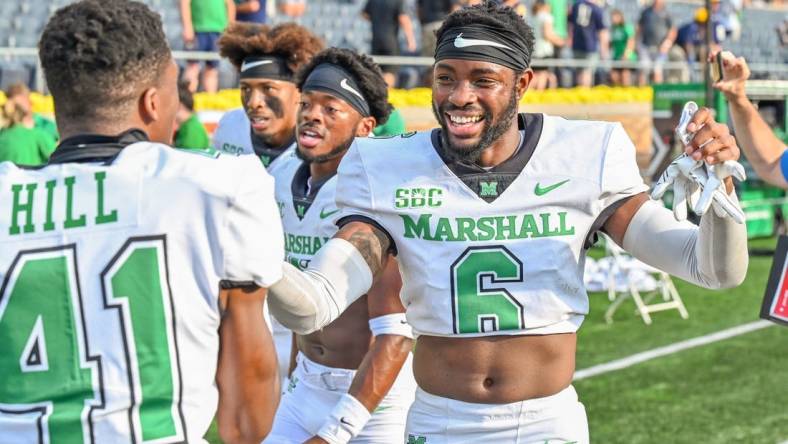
[490, 13]
[185, 95]
[98, 55]
[365, 72]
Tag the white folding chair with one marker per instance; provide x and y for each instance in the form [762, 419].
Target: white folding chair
[627, 266]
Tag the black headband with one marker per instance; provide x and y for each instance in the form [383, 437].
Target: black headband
[266, 67]
[336, 81]
[501, 46]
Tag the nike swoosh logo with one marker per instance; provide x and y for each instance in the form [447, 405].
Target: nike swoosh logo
[250, 65]
[539, 191]
[460, 42]
[324, 214]
[343, 84]
[342, 420]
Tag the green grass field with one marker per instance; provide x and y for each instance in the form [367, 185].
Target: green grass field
[733, 391]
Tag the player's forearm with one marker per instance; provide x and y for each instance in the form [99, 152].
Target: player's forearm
[380, 369]
[305, 301]
[713, 255]
[247, 374]
[762, 148]
[373, 380]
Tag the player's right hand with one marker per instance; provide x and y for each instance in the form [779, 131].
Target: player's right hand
[735, 73]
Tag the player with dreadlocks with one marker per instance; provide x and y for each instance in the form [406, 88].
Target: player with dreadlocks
[267, 59]
[490, 217]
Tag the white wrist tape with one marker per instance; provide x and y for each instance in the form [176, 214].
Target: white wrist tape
[306, 301]
[345, 421]
[391, 324]
[713, 255]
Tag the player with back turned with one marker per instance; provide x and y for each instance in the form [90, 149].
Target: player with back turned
[490, 217]
[133, 274]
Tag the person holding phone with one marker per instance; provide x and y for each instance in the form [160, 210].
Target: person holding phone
[765, 151]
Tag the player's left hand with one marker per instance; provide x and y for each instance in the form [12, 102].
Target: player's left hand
[709, 160]
[712, 141]
[315, 440]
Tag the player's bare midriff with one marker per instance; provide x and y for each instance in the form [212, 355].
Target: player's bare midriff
[495, 369]
[343, 343]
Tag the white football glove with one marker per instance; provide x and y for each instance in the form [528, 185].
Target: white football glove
[696, 182]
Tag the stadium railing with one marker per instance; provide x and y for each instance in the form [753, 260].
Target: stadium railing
[780, 69]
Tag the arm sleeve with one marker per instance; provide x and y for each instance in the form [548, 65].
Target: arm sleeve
[253, 244]
[620, 174]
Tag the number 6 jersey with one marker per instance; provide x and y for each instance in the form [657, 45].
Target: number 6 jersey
[498, 251]
[110, 274]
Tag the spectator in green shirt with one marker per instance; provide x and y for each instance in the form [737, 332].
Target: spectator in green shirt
[19, 144]
[203, 21]
[622, 43]
[189, 131]
[20, 94]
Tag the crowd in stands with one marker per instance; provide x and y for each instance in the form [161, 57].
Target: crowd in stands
[588, 31]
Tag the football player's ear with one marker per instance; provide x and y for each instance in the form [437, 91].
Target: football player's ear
[150, 105]
[523, 81]
[365, 126]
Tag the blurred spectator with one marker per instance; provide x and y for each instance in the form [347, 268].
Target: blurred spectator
[292, 8]
[622, 42]
[394, 126]
[431, 15]
[728, 14]
[518, 6]
[250, 11]
[19, 144]
[655, 35]
[782, 32]
[189, 131]
[387, 16]
[20, 94]
[559, 9]
[203, 22]
[545, 42]
[589, 37]
[691, 38]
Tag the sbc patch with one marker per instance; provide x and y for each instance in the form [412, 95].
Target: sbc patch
[775, 301]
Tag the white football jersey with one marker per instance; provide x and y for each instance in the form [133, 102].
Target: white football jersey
[233, 135]
[110, 277]
[308, 222]
[499, 251]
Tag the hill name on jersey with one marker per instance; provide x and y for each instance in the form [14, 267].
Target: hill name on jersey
[40, 207]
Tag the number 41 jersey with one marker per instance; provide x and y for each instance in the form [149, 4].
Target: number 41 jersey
[499, 251]
[110, 274]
